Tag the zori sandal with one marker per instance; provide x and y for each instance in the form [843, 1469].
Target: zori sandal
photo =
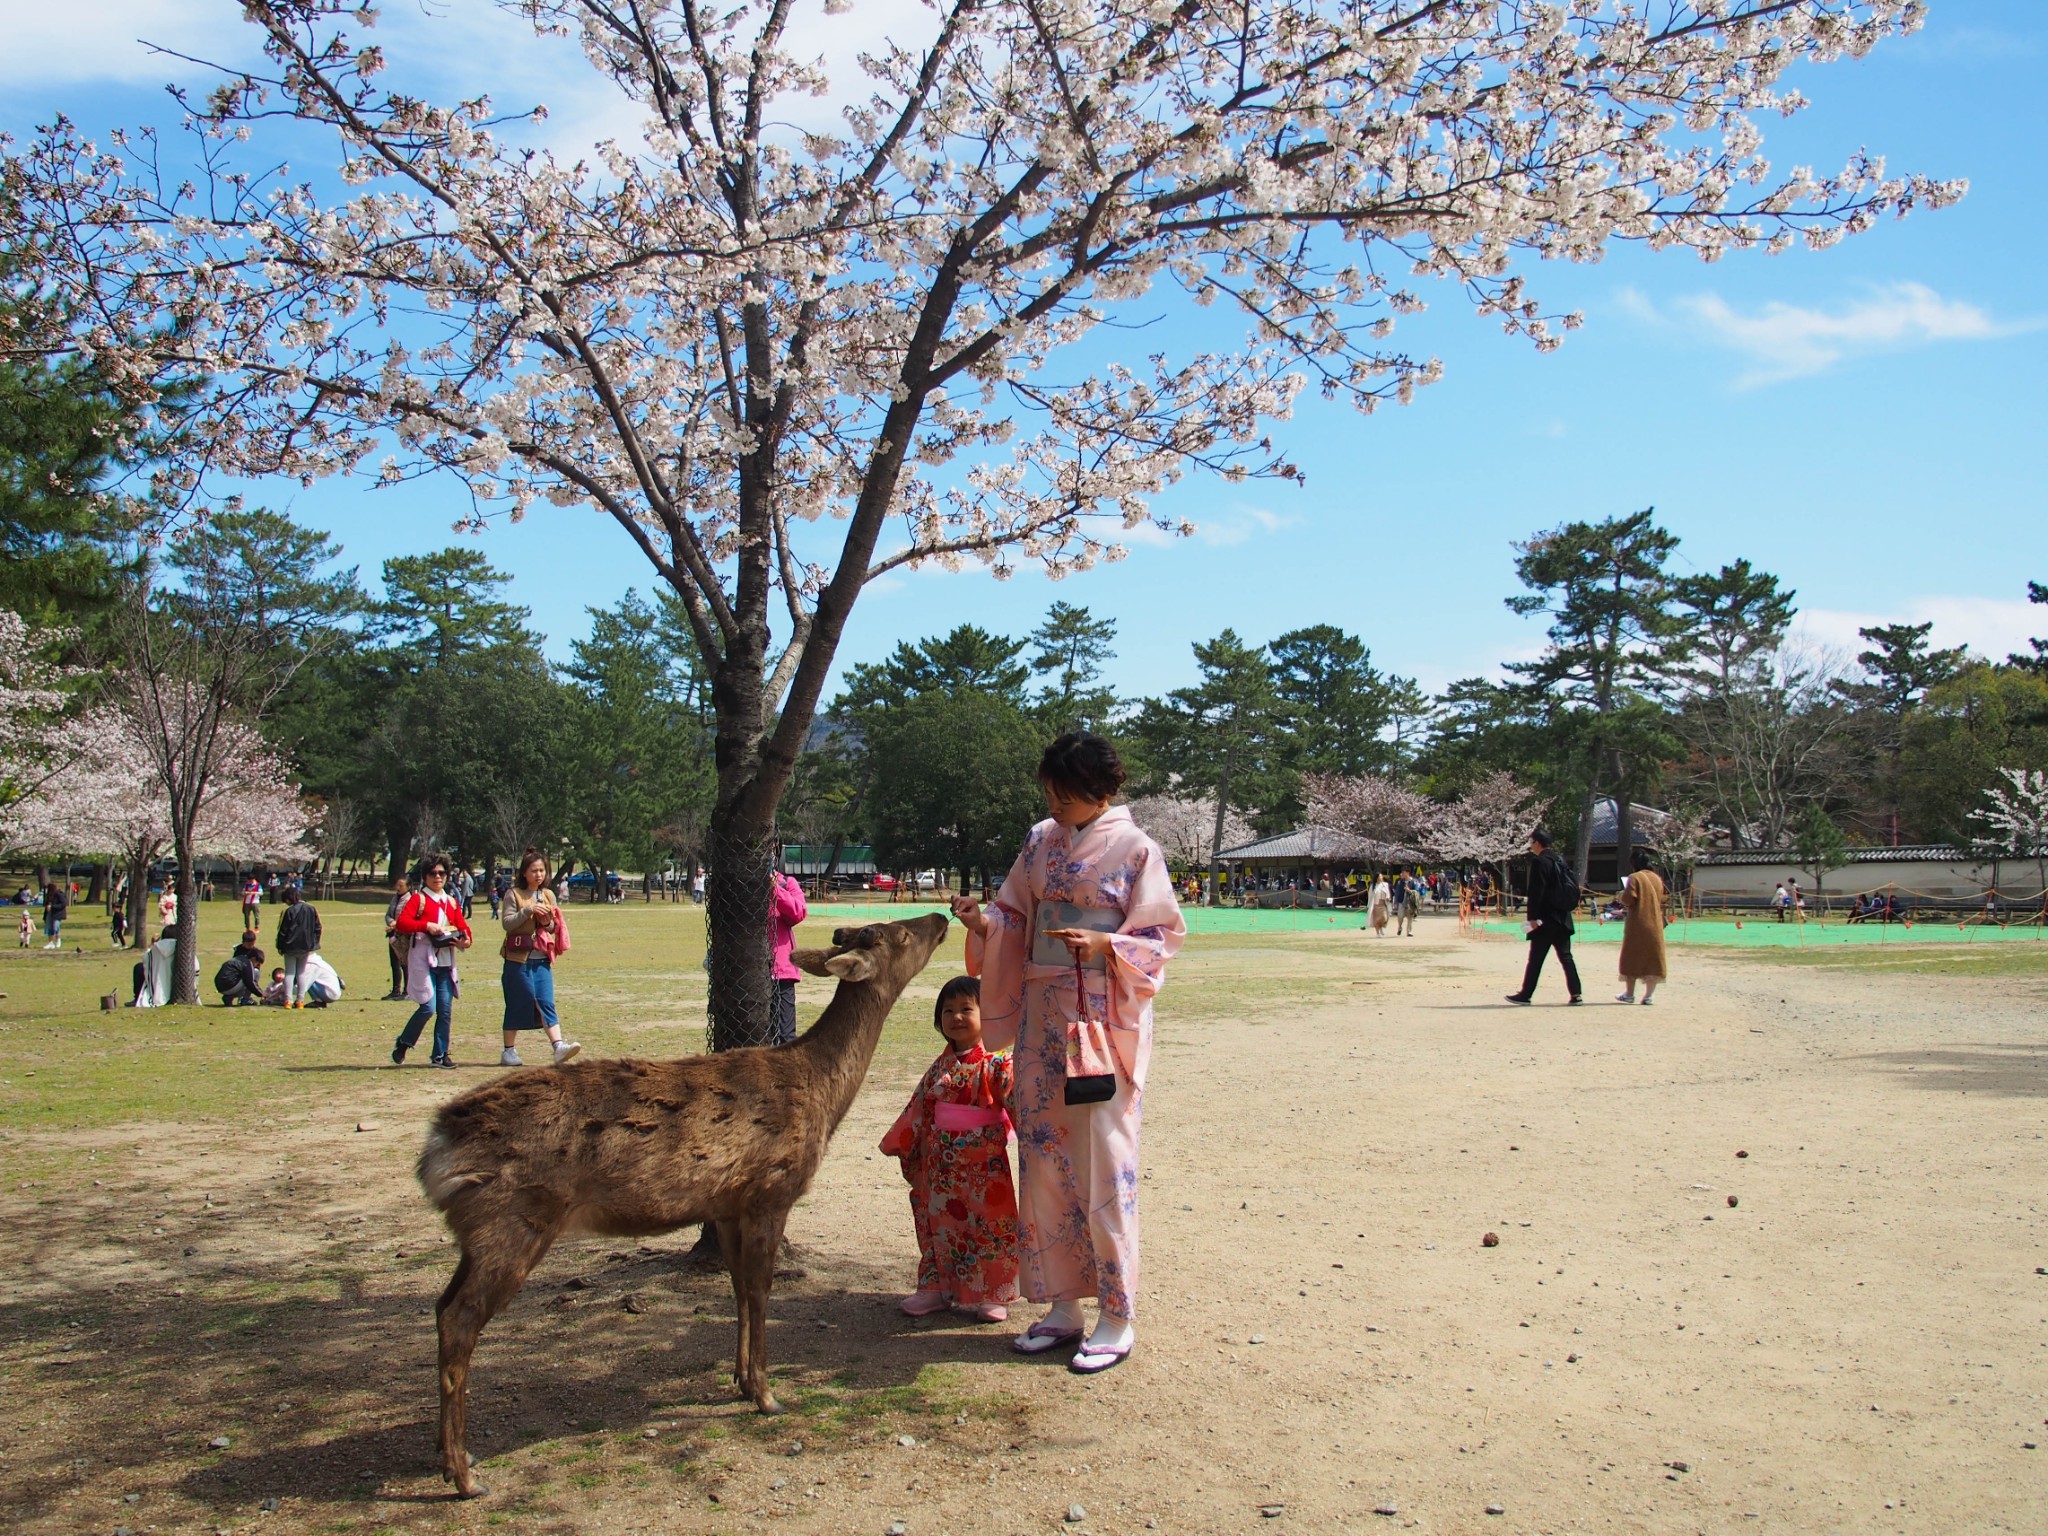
[1039, 1338]
[1092, 1362]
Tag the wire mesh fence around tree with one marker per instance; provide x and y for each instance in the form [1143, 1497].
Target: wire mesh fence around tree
[739, 948]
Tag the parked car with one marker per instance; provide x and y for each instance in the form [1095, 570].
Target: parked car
[882, 883]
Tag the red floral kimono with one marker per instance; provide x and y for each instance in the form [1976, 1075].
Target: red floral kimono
[953, 1141]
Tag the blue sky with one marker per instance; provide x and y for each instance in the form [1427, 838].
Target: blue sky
[1865, 422]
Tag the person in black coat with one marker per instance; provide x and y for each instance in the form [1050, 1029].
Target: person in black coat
[243, 972]
[1553, 895]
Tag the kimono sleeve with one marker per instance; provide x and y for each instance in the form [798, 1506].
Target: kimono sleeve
[999, 957]
[906, 1138]
[1151, 935]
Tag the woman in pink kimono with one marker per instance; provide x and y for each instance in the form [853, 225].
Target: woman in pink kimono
[1090, 896]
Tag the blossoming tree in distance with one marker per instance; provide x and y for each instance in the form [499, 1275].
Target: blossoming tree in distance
[32, 699]
[789, 359]
[110, 799]
[1189, 829]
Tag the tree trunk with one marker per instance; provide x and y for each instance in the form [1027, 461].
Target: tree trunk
[1216, 833]
[185, 958]
[96, 892]
[1624, 833]
[138, 902]
[1582, 855]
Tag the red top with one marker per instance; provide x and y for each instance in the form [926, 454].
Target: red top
[424, 910]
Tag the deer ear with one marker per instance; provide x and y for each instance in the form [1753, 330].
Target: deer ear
[811, 960]
[854, 965]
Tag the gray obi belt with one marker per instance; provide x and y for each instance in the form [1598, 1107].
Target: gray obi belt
[1054, 915]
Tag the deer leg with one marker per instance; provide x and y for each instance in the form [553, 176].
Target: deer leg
[760, 1239]
[493, 1267]
[734, 1252]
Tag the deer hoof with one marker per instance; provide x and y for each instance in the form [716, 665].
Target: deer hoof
[466, 1485]
[767, 1404]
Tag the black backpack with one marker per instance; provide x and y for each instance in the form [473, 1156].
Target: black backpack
[1569, 895]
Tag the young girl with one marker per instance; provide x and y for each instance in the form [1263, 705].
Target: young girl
[28, 929]
[953, 1142]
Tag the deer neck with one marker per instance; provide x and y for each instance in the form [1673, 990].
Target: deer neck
[842, 1043]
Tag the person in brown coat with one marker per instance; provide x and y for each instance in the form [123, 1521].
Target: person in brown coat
[1642, 940]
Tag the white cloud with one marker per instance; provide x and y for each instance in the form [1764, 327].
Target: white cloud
[43, 44]
[444, 50]
[1992, 627]
[1788, 341]
[1241, 524]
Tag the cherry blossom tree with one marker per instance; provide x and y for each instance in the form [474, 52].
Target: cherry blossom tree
[2015, 818]
[110, 799]
[1185, 826]
[32, 699]
[730, 328]
[1489, 824]
[1397, 822]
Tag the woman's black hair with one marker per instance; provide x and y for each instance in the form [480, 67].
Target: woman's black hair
[1083, 765]
[959, 986]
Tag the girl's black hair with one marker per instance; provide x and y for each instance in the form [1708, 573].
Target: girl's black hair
[1082, 764]
[959, 986]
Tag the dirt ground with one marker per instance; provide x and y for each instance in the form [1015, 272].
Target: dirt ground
[226, 1326]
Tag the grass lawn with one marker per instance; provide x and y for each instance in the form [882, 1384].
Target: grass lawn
[632, 985]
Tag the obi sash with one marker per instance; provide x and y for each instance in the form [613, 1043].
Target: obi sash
[966, 1117]
[1054, 915]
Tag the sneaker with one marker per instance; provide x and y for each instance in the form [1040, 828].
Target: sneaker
[564, 1050]
[445, 1061]
[398, 1050]
[1518, 1000]
[509, 1058]
[1574, 1001]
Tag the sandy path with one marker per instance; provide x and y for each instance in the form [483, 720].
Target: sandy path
[1333, 1123]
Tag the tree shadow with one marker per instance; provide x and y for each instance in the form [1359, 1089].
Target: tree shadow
[329, 1400]
[2016, 1070]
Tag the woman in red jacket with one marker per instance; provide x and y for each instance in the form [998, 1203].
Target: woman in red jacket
[432, 925]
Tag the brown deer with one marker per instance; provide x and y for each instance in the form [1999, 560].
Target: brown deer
[628, 1148]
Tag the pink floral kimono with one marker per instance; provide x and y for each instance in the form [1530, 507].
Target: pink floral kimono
[1077, 1167]
[954, 1142]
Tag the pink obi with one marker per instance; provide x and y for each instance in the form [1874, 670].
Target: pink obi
[967, 1117]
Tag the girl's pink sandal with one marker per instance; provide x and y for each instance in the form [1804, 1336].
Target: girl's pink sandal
[990, 1312]
[922, 1303]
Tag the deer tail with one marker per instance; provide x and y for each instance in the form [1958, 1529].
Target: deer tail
[441, 1172]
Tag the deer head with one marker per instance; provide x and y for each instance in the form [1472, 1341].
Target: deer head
[893, 952]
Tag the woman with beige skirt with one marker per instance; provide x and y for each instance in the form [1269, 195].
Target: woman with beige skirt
[1642, 937]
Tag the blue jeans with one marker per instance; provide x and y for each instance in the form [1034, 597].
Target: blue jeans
[441, 1009]
[529, 995]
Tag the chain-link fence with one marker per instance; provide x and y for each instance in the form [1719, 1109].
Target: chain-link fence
[739, 943]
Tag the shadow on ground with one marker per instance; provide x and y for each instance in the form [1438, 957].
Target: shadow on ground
[327, 1395]
[2014, 1070]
